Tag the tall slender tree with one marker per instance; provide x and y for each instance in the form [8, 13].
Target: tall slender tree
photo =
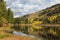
[10, 16]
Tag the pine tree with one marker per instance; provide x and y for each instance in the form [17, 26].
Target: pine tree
[10, 16]
[7, 14]
[3, 10]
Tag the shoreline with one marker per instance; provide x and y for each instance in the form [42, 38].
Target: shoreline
[18, 37]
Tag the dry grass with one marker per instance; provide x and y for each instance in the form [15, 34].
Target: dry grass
[17, 37]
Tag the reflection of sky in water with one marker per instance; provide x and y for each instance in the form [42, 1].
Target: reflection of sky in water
[28, 35]
[22, 34]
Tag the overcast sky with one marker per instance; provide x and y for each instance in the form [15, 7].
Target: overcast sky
[23, 7]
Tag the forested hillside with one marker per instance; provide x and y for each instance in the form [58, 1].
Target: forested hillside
[49, 15]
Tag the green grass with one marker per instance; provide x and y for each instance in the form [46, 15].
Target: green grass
[3, 35]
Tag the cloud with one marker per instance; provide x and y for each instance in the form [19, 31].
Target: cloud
[23, 7]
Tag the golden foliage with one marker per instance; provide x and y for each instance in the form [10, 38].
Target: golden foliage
[52, 32]
[51, 18]
[37, 22]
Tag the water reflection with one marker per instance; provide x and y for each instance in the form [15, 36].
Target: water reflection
[23, 34]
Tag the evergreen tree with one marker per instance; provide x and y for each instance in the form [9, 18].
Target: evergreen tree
[10, 16]
[7, 14]
[3, 10]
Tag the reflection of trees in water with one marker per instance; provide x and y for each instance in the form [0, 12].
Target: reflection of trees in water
[54, 34]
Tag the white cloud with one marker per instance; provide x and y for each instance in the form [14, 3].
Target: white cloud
[56, 1]
[28, 6]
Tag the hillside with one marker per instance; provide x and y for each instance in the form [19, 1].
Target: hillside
[55, 9]
[49, 15]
